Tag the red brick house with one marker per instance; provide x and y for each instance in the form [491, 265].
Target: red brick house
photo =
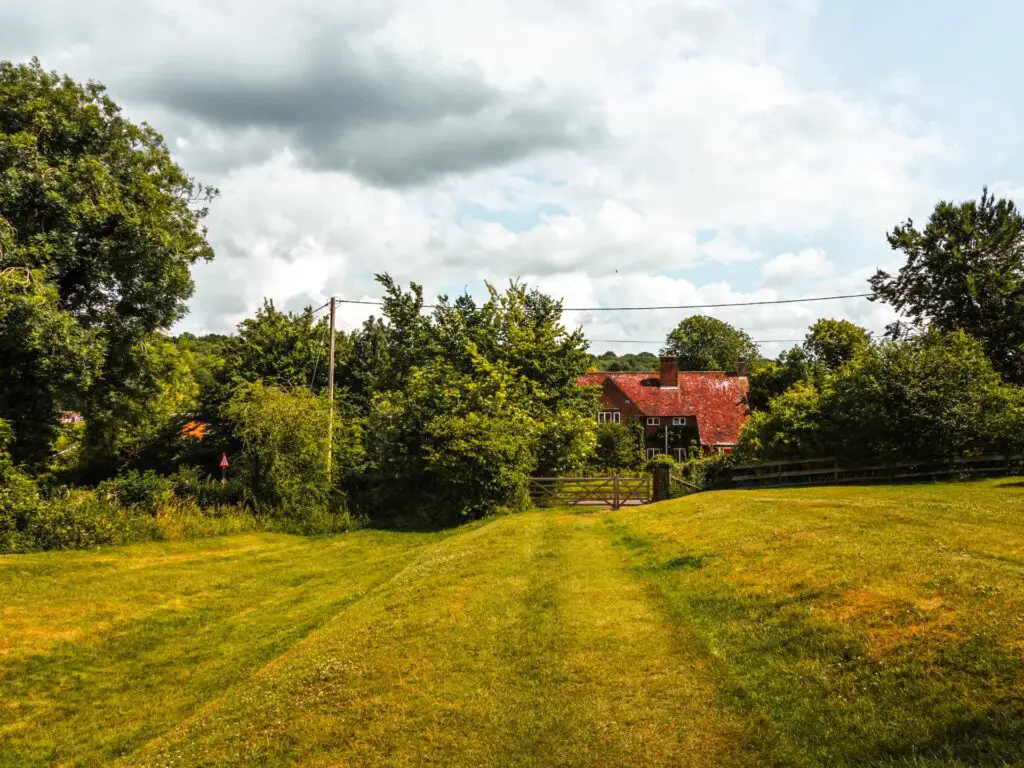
[679, 409]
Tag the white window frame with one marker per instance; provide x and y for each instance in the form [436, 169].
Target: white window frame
[609, 417]
[652, 452]
[680, 454]
[653, 421]
[678, 421]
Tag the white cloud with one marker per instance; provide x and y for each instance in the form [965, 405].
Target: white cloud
[346, 136]
[788, 268]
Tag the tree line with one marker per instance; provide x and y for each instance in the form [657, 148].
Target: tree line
[438, 416]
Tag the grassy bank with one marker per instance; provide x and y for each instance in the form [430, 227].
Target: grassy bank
[804, 627]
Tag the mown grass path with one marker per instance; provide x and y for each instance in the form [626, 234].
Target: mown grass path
[879, 626]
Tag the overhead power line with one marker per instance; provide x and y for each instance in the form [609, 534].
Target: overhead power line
[378, 303]
[662, 341]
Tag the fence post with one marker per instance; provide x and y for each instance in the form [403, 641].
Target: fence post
[615, 492]
[661, 483]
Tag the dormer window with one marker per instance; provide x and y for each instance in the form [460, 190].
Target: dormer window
[678, 421]
[653, 421]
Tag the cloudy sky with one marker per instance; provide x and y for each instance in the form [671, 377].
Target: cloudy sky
[613, 152]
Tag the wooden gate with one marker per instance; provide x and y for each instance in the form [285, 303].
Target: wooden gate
[613, 491]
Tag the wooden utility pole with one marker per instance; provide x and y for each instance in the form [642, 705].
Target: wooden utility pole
[330, 395]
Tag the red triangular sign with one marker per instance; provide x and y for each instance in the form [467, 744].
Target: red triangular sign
[224, 463]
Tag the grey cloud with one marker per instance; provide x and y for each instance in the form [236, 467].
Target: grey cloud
[313, 78]
[400, 154]
[377, 117]
[332, 89]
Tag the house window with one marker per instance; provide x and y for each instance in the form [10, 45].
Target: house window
[678, 421]
[653, 421]
[652, 452]
[608, 417]
[680, 454]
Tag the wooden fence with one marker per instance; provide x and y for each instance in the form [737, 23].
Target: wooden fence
[779, 474]
[611, 490]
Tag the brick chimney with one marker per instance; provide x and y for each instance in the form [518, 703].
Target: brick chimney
[669, 372]
[741, 367]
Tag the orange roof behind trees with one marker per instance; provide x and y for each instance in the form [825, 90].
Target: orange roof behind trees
[716, 399]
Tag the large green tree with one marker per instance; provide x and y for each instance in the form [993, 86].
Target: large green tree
[284, 349]
[933, 395]
[95, 205]
[936, 394]
[451, 444]
[834, 342]
[964, 270]
[774, 377]
[703, 343]
[467, 400]
[49, 362]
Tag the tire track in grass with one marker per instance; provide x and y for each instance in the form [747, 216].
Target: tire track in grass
[646, 696]
[528, 642]
[382, 683]
[723, 728]
[106, 693]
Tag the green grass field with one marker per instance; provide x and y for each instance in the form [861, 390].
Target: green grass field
[854, 626]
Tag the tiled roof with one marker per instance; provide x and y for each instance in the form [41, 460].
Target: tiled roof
[713, 397]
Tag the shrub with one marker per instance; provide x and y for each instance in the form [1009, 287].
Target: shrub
[191, 483]
[450, 445]
[83, 519]
[661, 460]
[146, 490]
[283, 465]
[707, 471]
[934, 395]
[791, 427]
[618, 447]
[18, 497]
[566, 442]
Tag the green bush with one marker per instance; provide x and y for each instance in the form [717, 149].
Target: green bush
[19, 497]
[707, 471]
[566, 442]
[83, 519]
[145, 490]
[935, 395]
[619, 448]
[660, 460]
[932, 396]
[450, 445]
[790, 428]
[283, 464]
[192, 484]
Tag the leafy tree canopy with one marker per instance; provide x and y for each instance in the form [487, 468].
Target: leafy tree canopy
[834, 342]
[283, 349]
[933, 395]
[774, 377]
[631, 361]
[96, 203]
[519, 327]
[49, 361]
[703, 343]
[94, 207]
[964, 270]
